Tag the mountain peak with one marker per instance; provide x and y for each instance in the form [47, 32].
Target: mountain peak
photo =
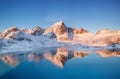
[9, 31]
[37, 28]
[58, 24]
[57, 27]
[38, 31]
[13, 28]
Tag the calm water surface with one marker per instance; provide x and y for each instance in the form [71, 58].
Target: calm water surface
[60, 63]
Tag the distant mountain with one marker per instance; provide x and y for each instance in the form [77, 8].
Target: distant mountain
[55, 34]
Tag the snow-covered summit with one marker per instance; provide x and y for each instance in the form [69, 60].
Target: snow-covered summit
[58, 28]
[9, 32]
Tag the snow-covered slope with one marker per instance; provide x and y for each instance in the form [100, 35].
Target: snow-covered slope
[19, 40]
[58, 34]
[101, 38]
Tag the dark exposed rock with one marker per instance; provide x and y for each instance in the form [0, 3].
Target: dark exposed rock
[38, 31]
[79, 31]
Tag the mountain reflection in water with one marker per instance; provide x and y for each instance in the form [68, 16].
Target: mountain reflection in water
[60, 63]
[58, 57]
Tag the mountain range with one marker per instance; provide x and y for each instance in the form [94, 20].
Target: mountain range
[56, 35]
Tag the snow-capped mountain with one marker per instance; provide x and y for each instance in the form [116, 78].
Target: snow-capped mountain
[60, 31]
[56, 35]
[14, 39]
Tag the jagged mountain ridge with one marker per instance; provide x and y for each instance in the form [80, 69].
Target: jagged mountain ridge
[62, 33]
[59, 29]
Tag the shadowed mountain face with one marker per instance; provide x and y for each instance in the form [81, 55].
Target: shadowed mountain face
[63, 33]
[37, 31]
[58, 57]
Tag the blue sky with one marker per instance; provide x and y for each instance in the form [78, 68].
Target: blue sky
[92, 15]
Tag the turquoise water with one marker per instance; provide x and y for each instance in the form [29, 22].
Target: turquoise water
[60, 63]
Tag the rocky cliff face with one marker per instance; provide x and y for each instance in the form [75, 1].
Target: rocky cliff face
[79, 31]
[60, 31]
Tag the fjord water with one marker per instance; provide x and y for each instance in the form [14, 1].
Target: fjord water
[60, 63]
